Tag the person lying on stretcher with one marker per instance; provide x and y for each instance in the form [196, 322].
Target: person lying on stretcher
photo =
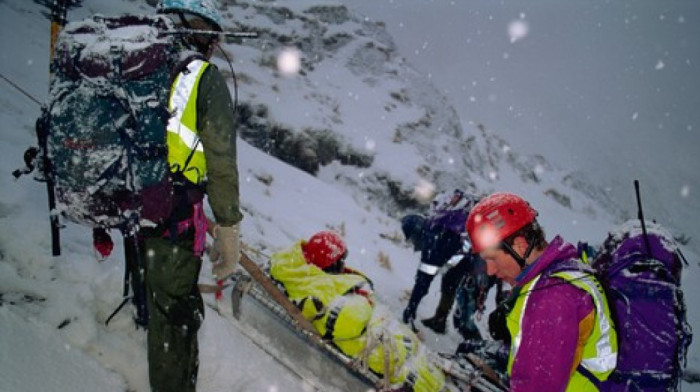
[339, 302]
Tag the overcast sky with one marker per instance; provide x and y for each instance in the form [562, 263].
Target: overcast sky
[588, 84]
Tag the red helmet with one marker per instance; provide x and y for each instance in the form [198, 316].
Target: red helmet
[324, 249]
[495, 218]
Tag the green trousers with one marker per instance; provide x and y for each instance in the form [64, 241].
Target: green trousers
[176, 312]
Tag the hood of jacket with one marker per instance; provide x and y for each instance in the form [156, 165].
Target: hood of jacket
[556, 252]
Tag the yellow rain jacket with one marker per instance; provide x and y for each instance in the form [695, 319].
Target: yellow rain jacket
[341, 307]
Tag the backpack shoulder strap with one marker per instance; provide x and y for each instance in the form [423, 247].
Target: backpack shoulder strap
[181, 65]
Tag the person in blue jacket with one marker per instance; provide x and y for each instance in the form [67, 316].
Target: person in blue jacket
[439, 239]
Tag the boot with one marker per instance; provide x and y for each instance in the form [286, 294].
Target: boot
[438, 321]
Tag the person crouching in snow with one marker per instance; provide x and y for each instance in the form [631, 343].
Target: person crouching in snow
[339, 302]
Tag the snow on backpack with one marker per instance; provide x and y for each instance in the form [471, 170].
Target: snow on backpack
[104, 128]
[640, 269]
[449, 211]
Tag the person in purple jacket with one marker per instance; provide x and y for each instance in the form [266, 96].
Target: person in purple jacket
[561, 335]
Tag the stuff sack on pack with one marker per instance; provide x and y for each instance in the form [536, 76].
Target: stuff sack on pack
[449, 211]
[104, 128]
[642, 277]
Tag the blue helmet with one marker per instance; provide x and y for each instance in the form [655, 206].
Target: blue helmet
[202, 8]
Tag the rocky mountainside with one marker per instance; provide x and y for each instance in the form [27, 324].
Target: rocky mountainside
[355, 98]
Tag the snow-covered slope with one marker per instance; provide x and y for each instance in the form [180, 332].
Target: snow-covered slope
[357, 89]
[607, 88]
[367, 138]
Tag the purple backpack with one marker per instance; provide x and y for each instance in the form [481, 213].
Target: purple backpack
[641, 275]
[450, 211]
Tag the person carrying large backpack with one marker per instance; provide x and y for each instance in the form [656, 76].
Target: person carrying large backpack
[561, 333]
[138, 128]
[201, 142]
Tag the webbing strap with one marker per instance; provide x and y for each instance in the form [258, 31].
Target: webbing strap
[121, 305]
[589, 376]
[333, 315]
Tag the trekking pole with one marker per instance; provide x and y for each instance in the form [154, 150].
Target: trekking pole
[136, 265]
[640, 216]
[227, 34]
[59, 11]
[125, 296]
[42, 132]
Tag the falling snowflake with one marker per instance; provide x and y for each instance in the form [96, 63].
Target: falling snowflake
[289, 61]
[424, 191]
[370, 145]
[660, 65]
[517, 30]
[685, 191]
[539, 170]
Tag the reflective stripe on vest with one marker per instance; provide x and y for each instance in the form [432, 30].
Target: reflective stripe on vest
[513, 324]
[346, 318]
[428, 269]
[182, 126]
[332, 318]
[600, 351]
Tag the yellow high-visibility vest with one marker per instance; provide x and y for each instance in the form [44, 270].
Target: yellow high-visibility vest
[185, 151]
[600, 351]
